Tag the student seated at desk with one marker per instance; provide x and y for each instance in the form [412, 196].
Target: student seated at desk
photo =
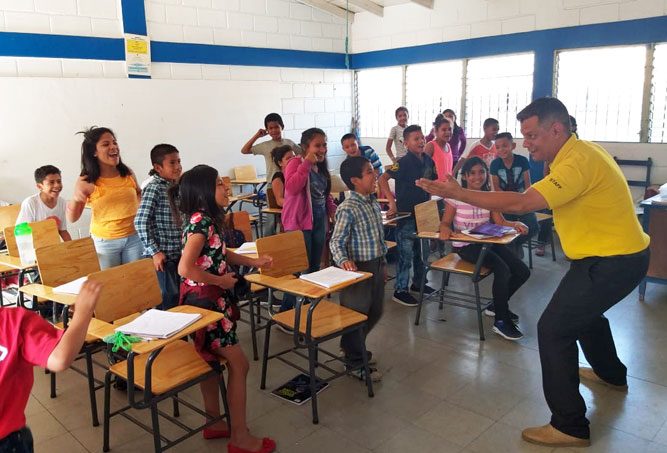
[27, 340]
[46, 204]
[280, 156]
[509, 272]
[207, 282]
[357, 243]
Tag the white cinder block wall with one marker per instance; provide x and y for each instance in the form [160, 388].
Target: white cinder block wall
[221, 122]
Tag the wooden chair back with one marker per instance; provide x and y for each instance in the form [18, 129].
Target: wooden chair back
[337, 184]
[271, 198]
[245, 172]
[288, 251]
[44, 232]
[427, 217]
[64, 262]
[127, 289]
[8, 215]
[228, 184]
[240, 220]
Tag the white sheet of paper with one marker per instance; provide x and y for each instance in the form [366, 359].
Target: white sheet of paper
[330, 276]
[73, 287]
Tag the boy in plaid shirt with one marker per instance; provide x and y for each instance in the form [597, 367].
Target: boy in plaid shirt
[155, 224]
[357, 243]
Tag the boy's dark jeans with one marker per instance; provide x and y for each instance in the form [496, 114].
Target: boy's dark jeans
[366, 297]
[409, 255]
[575, 313]
[170, 283]
[17, 442]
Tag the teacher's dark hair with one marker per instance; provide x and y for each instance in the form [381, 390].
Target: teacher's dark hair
[547, 110]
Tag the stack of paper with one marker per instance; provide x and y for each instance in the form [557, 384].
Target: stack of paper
[247, 248]
[158, 324]
[73, 287]
[331, 276]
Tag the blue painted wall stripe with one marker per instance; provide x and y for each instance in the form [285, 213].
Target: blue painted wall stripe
[169, 52]
[60, 46]
[134, 17]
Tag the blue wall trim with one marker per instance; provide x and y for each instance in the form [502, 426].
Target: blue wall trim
[170, 52]
[134, 17]
[638, 31]
[60, 46]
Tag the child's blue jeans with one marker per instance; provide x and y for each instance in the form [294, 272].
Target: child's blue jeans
[409, 255]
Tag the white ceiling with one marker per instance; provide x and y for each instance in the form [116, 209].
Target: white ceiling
[342, 7]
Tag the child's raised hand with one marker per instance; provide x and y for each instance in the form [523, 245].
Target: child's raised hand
[261, 133]
[263, 261]
[88, 297]
[521, 228]
[349, 265]
[311, 156]
[227, 281]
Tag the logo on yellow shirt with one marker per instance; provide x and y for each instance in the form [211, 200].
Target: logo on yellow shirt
[555, 183]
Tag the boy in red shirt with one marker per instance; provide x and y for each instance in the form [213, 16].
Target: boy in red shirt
[26, 340]
[485, 148]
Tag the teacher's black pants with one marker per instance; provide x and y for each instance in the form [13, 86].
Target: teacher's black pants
[576, 313]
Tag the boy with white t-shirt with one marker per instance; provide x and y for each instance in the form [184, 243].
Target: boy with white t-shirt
[46, 204]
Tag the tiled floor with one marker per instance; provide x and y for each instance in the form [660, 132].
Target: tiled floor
[443, 389]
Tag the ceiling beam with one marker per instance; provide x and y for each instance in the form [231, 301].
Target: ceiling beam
[369, 6]
[425, 3]
[329, 8]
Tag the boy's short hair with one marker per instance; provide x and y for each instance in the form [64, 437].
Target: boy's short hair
[273, 118]
[490, 122]
[352, 167]
[401, 109]
[506, 135]
[347, 137]
[546, 109]
[410, 129]
[42, 172]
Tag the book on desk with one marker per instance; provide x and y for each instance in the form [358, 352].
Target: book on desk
[331, 276]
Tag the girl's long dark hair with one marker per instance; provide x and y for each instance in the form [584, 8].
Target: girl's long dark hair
[90, 166]
[456, 129]
[467, 168]
[323, 167]
[195, 192]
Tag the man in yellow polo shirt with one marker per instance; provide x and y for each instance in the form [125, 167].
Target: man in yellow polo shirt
[596, 222]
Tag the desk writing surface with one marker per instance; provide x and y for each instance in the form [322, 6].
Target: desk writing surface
[300, 287]
[46, 292]
[248, 181]
[15, 262]
[460, 237]
[274, 211]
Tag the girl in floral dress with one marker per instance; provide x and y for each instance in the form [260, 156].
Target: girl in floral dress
[206, 282]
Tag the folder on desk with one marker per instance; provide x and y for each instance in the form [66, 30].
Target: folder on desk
[492, 230]
[331, 276]
[156, 324]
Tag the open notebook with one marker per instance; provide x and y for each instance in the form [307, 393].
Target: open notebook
[155, 324]
[331, 276]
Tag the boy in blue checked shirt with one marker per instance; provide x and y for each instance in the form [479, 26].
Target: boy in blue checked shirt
[155, 223]
[357, 243]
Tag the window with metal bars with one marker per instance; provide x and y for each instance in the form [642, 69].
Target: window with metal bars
[379, 93]
[658, 106]
[497, 87]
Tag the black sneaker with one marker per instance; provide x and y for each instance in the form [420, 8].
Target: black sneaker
[507, 330]
[427, 289]
[405, 298]
[491, 311]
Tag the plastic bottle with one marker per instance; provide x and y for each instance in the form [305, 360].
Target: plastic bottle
[23, 235]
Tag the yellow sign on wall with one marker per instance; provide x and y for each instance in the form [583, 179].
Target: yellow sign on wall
[138, 55]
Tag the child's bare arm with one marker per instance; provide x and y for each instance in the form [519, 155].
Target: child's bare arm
[253, 139]
[383, 182]
[70, 344]
[387, 148]
[495, 183]
[82, 190]
[446, 222]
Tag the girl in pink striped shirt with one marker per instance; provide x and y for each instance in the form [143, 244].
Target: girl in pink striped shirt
[509, 271]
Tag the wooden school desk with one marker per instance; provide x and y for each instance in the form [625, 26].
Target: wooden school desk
[654, 222]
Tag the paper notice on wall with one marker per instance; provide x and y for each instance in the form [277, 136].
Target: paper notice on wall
[138, 55]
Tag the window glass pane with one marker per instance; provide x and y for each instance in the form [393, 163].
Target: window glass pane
[498, 87]
[432, 88]
[659, 96]
[379, 94]
[602, 89]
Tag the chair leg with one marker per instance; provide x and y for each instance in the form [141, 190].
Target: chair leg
[177, 409]
[313, 381]
[107, 411]
[53, 384]
[155, 421]
[553, 247]
[364, 357]
[265, 353]
[479, 313]
[223, 394]
[253, 328]
[91, 386]
[421, 296]
[443, 284]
